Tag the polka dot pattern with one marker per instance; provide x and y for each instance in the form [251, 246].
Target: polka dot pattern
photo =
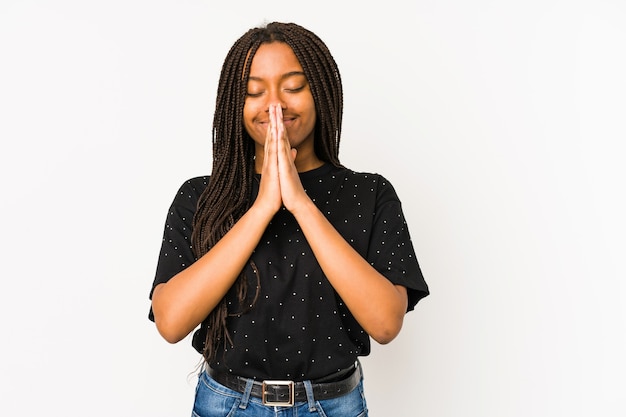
[299, 327]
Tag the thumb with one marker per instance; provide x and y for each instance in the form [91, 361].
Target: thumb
[294, 151]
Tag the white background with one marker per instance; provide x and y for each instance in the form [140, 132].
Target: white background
[500, 123]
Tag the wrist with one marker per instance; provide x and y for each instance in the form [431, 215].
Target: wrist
[261, 212]
[304, 210]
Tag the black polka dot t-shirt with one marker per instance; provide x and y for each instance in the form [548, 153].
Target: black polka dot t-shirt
[299, 328]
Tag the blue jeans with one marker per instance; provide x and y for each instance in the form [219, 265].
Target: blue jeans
[215, 400]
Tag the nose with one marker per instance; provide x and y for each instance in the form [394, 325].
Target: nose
[274, 96]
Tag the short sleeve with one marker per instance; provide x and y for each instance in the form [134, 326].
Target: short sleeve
[391, 250]
[176, 252]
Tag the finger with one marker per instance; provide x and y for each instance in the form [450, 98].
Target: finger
[281, 126]
[276, 121]
[269, 188]
[275, 129]
[270, 147]
[282, 139]
[268, 141]
[279, 119]
[286, 155]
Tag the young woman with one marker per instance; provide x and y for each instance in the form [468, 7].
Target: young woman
[284, 262]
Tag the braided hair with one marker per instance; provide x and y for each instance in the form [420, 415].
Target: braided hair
[228, 194]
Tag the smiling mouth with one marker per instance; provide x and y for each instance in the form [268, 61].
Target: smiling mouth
[286, 121]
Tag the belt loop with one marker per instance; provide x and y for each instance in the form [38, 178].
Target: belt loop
[309, 395]
[246, 394]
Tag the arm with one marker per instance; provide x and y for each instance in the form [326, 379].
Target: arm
[377, 304]
[183, 302]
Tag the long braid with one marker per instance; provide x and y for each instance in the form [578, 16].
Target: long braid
[228, 194]
[318, 64]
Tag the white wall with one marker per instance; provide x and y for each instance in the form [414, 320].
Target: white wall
[500, 123]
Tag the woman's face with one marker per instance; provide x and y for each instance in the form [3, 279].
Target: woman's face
[276, 76]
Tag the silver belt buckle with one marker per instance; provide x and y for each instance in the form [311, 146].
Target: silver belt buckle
[288, 403]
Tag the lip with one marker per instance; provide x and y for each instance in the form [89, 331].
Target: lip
[287, 121]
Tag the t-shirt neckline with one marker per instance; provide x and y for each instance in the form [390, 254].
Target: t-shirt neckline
[323, 169]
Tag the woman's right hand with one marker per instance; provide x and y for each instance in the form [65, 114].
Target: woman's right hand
[269, 196]
[184, 301]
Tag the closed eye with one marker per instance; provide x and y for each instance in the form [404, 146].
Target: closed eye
[294, 90]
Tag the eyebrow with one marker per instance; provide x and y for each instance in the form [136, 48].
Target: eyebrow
[282, 77]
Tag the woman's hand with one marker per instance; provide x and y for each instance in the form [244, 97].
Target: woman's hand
[280, 184]
[377, 304]
[291, 189]
[269, 188]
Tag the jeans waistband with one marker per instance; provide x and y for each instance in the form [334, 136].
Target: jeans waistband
[286, 393]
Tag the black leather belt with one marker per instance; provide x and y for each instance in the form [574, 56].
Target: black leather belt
[286, 393]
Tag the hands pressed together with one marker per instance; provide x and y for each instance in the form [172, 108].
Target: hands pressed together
[182, 303]
[280, 184]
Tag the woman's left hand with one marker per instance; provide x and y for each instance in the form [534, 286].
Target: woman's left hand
[377, 304]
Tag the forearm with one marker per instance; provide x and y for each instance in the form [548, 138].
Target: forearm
[378, 305]
[183, 302]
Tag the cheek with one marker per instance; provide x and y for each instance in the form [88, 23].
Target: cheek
[246, 112]
[311, 106]
[307, 109]
[312, 115]
[248, 117]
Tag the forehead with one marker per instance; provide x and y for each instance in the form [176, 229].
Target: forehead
[272, 59]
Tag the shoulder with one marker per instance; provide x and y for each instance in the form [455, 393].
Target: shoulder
[360, 176]
[190, 190]
[371, 181]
